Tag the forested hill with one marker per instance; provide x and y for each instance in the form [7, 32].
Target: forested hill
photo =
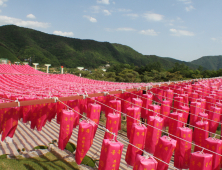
[18, 43]
[209, 62]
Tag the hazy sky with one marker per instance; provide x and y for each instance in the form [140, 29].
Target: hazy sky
[181, 29]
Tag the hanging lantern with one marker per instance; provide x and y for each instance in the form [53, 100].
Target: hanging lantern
[154, 127]
[143, 162]
[146, 100]
[85, 139]
[126, 102]
[214, 145]
[116, 105]
[137, 103]
[214, 114]
[202, 117]
[66, 127]
[178, 101]
[193, 97]
[210, 101]
[153, 110]
[200, 160]
[133, 117]
[185, 111]
[169, 96]
[165, 111]
[164, 151]
[112, 124]
[200, 135]
[175, 121]
[110, 156]
[183, 148]
[194, 110]
[94, 114]
[185, 99]
[137, 138]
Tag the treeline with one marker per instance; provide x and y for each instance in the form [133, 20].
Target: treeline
[153, 72]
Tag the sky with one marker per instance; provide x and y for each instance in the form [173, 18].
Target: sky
[180, 29]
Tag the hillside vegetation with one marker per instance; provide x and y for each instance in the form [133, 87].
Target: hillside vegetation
[18, 44]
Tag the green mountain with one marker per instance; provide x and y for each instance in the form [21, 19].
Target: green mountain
[18, 44]
[209, 62]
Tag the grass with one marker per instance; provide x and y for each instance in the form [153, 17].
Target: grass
[41, 147]
[46, 162]
[70, 147]
[88, 161]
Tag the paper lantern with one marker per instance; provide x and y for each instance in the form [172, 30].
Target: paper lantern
[147, 100]
[164, 151]
[183, 148]
[137, 138]
[110, 156]
[210, 101]
[202, 117]
[143, 162]
[175, 121]
[126, 102]
[193, 97]
[214, 145]
[214, 114]
[116, 105]
[112, 124]
[200, 160]
[153, 110]
[185, 111]
[66, 127]
[165, 112]
[154, 127]
[194, 112]
[133, 117]
[85, 139]
[169, 96]
[200, 134]
[137, 102]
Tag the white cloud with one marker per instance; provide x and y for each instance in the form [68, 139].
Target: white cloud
[125, 29]
[106, 12]
[91, 19]
[153, 17]
[31, 24]
[66, 34]
[186, 1]
[31, 16]
[214, 39]
[133, 16]
[95, 9]
[181, 32]
[149, 32]
[124, 10]
[114, 2]
[189, 8]
[103, 2]
[2, 2]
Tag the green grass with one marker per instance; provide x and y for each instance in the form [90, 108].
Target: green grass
[88, 161]
[41, 147]
[46, 162]
[70, 147]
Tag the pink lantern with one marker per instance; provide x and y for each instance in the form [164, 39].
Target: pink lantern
[85, 139]
[200, 160]
[66, 127]
[183, 148]
[178, 101]
[185, 111]
[147, 100]
[200, 135]
[214, 114]
[94, 114]
[137, 103]
[164, 151]
[143, 162]
[154, 127]
[202, 117]
[112, 124]
[165, 111]
[116, 105]
[214, 145]
[194, 110]
[133, 117]
[175, 121]
[110, 156]
[137, 138]
[153, 110]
